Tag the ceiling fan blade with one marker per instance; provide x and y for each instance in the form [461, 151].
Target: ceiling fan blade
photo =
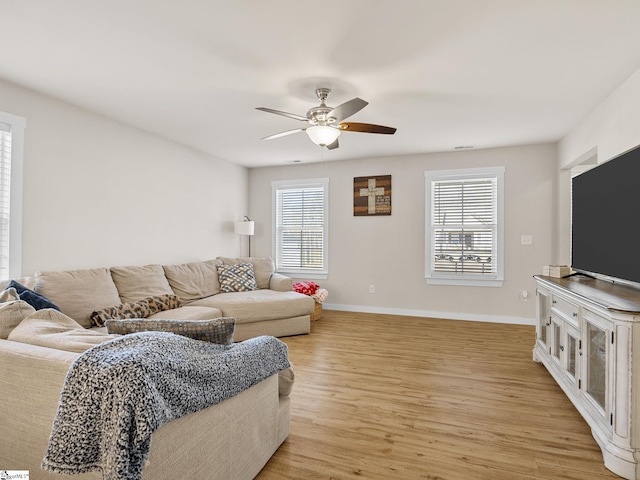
[284, 114]
[333, 145]
[366, 128]
[284, 134]
[347, 109]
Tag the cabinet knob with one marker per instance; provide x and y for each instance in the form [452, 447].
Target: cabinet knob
[562, 347]
[580, 353]
[575, 314]
[554, 301]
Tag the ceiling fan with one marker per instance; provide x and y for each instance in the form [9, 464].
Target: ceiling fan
[326, 123]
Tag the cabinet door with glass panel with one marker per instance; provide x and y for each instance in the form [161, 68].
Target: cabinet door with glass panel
[544, 318]
[597, 366]
[571, 354]
[556, 346]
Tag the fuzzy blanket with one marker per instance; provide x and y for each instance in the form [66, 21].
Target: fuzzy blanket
[118, 393]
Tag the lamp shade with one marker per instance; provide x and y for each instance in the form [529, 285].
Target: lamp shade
[323, 135]
[244, 227]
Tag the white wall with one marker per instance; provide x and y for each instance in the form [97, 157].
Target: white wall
[388, 251]
[609, 130]
[100, 193]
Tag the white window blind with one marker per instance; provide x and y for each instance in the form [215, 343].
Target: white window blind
[301, 226]
[11, 153]
[464, 226]
[5, 197]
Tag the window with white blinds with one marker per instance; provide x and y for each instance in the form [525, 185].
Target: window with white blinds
[11, 148]
[301, 227]
[5, 197]
[464, 227]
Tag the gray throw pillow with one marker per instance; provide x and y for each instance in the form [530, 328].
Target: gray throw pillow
[236, 278]
[219, 330]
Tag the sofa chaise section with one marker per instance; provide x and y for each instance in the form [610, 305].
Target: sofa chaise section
[233, 439]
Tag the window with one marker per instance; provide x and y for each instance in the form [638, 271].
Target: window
[300, 210]
[464, 227]
[11, 149]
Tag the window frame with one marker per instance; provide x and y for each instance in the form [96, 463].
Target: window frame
[460, 279]
[17, 127]
[311, 274]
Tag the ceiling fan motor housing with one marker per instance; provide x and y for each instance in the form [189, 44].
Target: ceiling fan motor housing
[318, 115]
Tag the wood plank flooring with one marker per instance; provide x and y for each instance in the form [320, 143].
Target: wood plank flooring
[390, 397]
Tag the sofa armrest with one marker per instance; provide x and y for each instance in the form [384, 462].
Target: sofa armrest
[280, 283]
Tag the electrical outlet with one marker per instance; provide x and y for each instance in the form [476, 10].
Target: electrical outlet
[526, 240]
[372, 289]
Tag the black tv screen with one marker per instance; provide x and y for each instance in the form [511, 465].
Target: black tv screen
[605, 233]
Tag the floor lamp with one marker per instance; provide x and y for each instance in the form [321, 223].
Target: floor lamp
[245, 227]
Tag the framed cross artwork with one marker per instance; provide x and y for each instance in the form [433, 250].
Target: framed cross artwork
[372, 196]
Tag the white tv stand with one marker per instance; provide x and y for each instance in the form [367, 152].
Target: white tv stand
[588, 337]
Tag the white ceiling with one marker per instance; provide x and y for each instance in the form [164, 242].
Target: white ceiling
[445, 73]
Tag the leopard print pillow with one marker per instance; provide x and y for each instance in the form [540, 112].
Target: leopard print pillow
[160, 303]
[140, 309]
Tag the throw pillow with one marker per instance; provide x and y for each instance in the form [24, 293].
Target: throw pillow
[160, 303]
[34, 299]
[236, 278]
[219, 330]
[12, 311]
[263, 267]
[139, 309]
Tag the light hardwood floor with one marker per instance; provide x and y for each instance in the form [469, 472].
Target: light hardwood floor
[390, 397]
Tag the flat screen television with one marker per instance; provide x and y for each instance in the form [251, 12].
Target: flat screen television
[605, 230]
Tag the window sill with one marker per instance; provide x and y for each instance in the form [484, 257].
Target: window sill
[304, 275]
[464, 282]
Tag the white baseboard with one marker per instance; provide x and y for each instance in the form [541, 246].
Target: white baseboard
[423, 313]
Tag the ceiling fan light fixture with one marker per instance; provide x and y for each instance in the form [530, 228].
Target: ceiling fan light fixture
[323, 135]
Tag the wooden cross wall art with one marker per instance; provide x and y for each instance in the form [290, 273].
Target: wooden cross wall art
[372, 196]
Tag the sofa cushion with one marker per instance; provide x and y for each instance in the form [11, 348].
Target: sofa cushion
[189, 312]
[53, 329]
[12, 311]
[136, 283]
[259, 305]
[192, 281]
[263, 267]
[236, 278]
[78, 293]
[286, 379]
[34, 299]
[219, 330]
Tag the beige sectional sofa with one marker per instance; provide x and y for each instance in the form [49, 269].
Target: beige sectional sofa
[230, 440]
[273, 309]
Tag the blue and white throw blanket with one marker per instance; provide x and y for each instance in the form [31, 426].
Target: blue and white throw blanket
[118, 393]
